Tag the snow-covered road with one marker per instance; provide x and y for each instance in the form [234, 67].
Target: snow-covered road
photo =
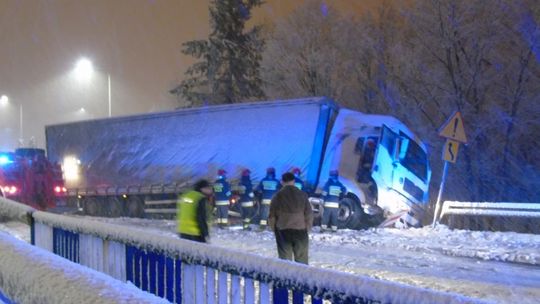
[496, 266]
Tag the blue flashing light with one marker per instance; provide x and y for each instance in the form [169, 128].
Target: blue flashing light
[4, 160]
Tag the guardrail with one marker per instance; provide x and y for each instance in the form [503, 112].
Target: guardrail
[182, 271]
[520, 217]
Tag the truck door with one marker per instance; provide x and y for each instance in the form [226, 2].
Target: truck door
[385, 160]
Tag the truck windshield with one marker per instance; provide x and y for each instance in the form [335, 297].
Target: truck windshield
[415, 160]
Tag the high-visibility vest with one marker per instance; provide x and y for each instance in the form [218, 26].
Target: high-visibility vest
[186, 213]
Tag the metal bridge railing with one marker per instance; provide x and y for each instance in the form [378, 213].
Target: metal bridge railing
[182, 271]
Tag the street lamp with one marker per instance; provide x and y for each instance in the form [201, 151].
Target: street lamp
[84, 69]
[4, 101]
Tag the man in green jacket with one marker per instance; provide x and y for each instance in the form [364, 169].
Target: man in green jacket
[191, 212]
[291, 218]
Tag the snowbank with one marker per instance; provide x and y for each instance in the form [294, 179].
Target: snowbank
[15, 211]
[329, 282]
[31, 275]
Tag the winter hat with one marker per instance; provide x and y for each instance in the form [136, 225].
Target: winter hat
[287, 177]
[201, 184]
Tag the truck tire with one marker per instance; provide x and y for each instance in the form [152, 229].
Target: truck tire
[135, 207]
[115, 207]
[91, 206]
[351, 215]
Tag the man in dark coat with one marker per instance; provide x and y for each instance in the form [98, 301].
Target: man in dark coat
[291, 218]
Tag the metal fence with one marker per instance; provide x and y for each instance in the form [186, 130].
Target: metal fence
[182, 271]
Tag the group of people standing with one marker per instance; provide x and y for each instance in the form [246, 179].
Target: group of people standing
[284, 207]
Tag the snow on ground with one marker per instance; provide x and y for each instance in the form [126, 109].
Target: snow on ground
[496, 266]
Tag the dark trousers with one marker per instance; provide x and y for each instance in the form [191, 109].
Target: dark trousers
[247, 213]
[196, 238]
[222, 215]
[330, 216]
[265, 210]
[292, 242]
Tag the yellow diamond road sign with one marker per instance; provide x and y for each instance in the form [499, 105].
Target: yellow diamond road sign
[453, 129]
[450, 150]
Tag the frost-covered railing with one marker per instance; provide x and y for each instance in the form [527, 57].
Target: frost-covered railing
[188, 272]
[491, 209]
[520, 217]
[32, 275]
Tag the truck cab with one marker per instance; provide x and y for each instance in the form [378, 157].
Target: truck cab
[384, 167]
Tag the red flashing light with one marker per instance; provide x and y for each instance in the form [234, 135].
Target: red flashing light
[57, 189]
[10, 189]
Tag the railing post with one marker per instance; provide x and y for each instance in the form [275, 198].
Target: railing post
[32, 229]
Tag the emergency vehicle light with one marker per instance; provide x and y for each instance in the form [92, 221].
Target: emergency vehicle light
[4, 160]
[59, 189]
[10, 189]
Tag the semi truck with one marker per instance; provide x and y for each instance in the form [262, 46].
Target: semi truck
[137, 165]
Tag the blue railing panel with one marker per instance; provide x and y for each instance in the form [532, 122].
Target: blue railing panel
[264, 293]
[66, 244]
[161, 276]
[130, 264]
[222, 288]
[152, 272]
[144, 270]
[249, 291]
[211, 286]
[137, 267]
[177, 281]
[315, 300]
[280, 295]
[169, 277]
[298, 297]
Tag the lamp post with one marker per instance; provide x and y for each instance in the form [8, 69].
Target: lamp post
[84, 69]
[4, 101]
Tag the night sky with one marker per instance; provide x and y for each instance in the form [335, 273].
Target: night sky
[136, 42]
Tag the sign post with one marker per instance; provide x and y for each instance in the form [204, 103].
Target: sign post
[454, 132]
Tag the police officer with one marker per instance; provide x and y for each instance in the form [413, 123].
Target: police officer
[191, 212]
[332, 193]
[298, 182]
[267, 187]
[245, 189]
[222, 192]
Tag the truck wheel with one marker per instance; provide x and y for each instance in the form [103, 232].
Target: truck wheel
[135, 207]
[115, 207]
[350, 215]
[91, 206]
